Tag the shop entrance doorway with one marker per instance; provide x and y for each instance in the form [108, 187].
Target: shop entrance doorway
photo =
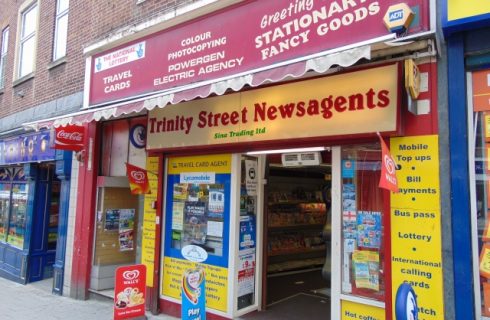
[297, 233]
[323, 232]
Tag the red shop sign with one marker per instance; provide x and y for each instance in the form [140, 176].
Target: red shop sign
[129, 292]
[242, 38]
[69, 138]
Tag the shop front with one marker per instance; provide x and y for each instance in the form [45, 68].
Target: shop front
[32, 202]
[274, 193]
[263, 160]
[466, 30]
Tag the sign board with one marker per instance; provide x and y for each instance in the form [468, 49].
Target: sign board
[462, 15]
[481, 90]
[412, 78]
[353, 311]
[24, 148]
[149, 220]
[351, 103]
[69, 138]
[459, 9]
[216, 287]
[217, 45]
[130, 292]
[416, 244]
[193, 294]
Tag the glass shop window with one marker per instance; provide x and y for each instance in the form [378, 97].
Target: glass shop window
[480, 143]
[362, 222]
[13, 206]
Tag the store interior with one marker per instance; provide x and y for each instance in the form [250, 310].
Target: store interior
[298, 220]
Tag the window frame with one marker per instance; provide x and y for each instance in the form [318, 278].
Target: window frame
[3, 55]
[58, 17]
[23, 11]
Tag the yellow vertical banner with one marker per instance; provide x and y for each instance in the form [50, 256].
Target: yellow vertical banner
[149, 217]
[416, 249]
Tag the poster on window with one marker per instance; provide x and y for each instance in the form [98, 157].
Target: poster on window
[246, 274]
[349, 224]
[126, 229]
[178, 216]
[198, 206]
[366, 269]
[195, 225]
[251, 177]
[111, 220]
[216, 201]
[348, 197]
[369, 229]
[247, 233]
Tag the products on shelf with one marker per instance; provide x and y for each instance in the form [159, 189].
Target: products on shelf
[294, 242]
[296, 219]
[297, 214]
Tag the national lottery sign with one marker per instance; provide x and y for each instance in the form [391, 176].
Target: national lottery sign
[244, 37]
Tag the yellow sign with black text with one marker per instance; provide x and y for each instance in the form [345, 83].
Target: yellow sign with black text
[216, 281]
[352, 310]
[149, 221]
[217, 163]
[416, 254]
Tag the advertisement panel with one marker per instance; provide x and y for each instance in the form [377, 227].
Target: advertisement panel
[218, 45]
[461, 15]
[416, 249]
[459, 9]
[27, 148]
[352, 103]
[197, 227]
[149, 220]
[69, 138]
[129, 292]
[353, 310]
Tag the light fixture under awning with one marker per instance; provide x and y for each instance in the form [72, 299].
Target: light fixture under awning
[286, 70]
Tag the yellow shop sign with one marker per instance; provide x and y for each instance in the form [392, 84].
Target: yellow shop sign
[351, 103]
[462, 9]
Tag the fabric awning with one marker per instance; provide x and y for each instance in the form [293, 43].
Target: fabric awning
[288, 70]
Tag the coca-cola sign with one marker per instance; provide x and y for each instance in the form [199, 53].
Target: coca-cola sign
[69, 138]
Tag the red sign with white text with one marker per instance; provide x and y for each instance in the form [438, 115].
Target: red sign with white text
[129, 292]
[69, 138]
[245, 37]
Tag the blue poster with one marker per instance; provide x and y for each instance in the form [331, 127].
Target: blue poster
[348, 168]
[369, 229]
[194, 295]
[247, 232]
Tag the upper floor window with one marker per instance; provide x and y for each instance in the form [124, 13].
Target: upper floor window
[61, 29]
[27, 40]
[3, 55]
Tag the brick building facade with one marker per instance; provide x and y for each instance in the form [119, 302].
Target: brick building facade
[55, 87]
